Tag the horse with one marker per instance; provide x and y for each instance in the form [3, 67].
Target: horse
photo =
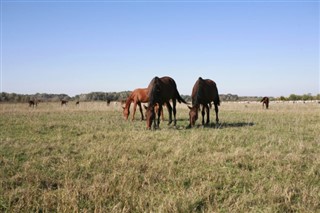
[161, 91]
[64, 102]
[137, 96]
[204, 92]
[77, 103]
[156, 108]
[33, 103]
[265, 101]
[108, 102]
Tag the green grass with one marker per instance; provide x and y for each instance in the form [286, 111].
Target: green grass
[88, 158]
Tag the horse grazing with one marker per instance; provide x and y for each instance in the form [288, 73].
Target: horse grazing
[203, 93]
[161, 91]
[265, 101]
[156, 108]
[33, 103]
[64, 102]
[137, 96]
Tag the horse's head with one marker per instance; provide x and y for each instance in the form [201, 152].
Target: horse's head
[193, 115]
[150, 116]
[126, 112]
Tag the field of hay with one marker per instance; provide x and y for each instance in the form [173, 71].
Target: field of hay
[87, 158]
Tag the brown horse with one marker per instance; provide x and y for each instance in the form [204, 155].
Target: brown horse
[64, 102]
[203, 93]
[161, 91]
[33, 103]
[156, 108]
[137, 96]
[265, 101]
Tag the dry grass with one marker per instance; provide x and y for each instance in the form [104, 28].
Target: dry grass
[88, 159]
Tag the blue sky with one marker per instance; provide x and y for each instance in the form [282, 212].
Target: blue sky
[255, 48]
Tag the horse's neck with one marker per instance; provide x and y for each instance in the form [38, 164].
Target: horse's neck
[128, 102]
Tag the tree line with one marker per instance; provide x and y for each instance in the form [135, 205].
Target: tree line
[122, 96]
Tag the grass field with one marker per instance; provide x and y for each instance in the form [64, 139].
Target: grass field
[89, 159]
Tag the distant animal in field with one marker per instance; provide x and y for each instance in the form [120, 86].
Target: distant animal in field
[64, 102]
[204, 92]
[33, 103]
[137, 96]
[108, 102]
[77, 103]
[161, 91]
[265, 102]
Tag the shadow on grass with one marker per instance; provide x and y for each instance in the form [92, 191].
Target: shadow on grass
[233, 125]
[223, 125]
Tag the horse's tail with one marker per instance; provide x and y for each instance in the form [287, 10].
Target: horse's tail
[217, 100]
[179, 98]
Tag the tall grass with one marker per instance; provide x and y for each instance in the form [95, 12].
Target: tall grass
[89, 159]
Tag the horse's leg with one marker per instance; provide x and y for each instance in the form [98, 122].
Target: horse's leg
[162, 118]
[139, 104]
[216, 109]
[134, 110]
[208, 114]
[159, 113]
[174, 103]
[169, 111]
[203, 113]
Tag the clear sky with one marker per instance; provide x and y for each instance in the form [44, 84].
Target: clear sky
[255, 48]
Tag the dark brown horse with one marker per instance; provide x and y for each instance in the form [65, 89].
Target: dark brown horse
[204, 92]
[137, 96]
[33, 103]
[161, 91]
[265, 101]
[77, 103]
[64, 102]
[156, 108]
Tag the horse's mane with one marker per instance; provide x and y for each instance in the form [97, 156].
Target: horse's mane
[128, 102]
[154, 92]
[199, 92]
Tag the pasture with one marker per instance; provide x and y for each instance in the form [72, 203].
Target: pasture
[87, 158]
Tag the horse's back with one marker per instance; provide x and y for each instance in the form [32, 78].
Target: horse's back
[208, 91]
[140, 94]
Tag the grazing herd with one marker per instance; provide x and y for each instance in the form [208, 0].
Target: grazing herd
[163, 92]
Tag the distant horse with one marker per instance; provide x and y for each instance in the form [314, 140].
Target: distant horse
[137, 96]
[64, 102]
[77, 103]
[33, 103]
[265, 101]
[203, 93]
[161, 91]
[108, 102]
